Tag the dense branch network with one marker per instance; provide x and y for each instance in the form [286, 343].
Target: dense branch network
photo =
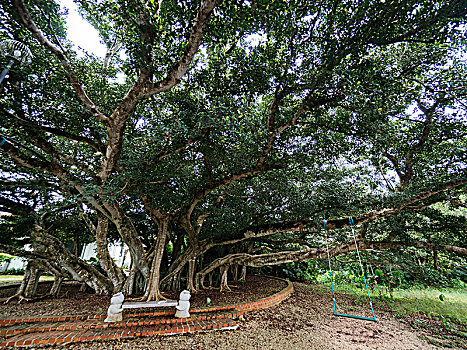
[314, 103]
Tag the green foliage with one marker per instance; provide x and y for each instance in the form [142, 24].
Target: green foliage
[12, 272]
[302, 271]
[5, 258]
[289, 111]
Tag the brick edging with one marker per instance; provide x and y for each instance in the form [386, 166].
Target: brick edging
[268, 301]
[125, 324]
[127, 333]
[244, 307]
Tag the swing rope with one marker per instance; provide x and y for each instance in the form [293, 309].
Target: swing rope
[330, 268]
[363, 274]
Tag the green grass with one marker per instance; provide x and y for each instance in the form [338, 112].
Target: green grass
[413, 301]
[19, 278]
[428, 302]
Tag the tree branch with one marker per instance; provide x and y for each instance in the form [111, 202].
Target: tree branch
[194, 41]
[225, 181]
[77, 86]
[38, 163]
[14, 207]
[27, 123]
[318, 253]
[332, 224]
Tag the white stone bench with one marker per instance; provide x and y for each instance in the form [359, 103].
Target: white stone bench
[143, 304]
[117, 305]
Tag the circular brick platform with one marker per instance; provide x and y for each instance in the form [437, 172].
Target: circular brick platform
[55, 330]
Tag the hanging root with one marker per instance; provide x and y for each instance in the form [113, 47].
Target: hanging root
[224, 275]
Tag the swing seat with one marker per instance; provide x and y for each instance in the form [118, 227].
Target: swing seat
[354, 316]
[363, 274]
[357, 317]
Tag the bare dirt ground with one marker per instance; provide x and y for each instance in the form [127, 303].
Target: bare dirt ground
[73, 302]
[303, 321]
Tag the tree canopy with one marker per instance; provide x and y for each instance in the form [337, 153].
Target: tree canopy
[220, 134]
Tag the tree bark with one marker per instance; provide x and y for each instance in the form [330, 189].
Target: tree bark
[224, 286]
[153, 290]
[314, 253]
[33, 281]
[191, 275]
[56, 251]
[179, 263]
[55, 289]
[114, 273]
[130, 236]
[243, 274]
[34, 269]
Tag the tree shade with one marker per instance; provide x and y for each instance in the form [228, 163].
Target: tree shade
[237, 127]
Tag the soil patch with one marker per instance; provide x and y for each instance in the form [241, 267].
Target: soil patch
[73, 302]
[303, 321]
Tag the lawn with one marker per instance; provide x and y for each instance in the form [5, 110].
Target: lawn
[448, 303]
[8, 279]
[445, 302]
[439, 315]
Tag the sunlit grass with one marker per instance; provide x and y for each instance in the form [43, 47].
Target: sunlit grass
[428, 301]
[19, 278]
[446, 302]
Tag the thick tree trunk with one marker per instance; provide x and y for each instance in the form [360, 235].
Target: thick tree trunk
[20, 292]
[30, 281]
[55, 289]
[130, 236]
[243, 274]
[224, 286]
[128, 287]
[34, 269]
[191, 275]
[235, 272]
[153, 290]
[81, 271]
[114, 273]
[33, 281]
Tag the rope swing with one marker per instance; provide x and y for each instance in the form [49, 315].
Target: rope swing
[363, 274]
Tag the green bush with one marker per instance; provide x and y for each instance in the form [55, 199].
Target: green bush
[302, 271]
[5, 257]
[12, 272]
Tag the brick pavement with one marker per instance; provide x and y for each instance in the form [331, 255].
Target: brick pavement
[67, 329]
